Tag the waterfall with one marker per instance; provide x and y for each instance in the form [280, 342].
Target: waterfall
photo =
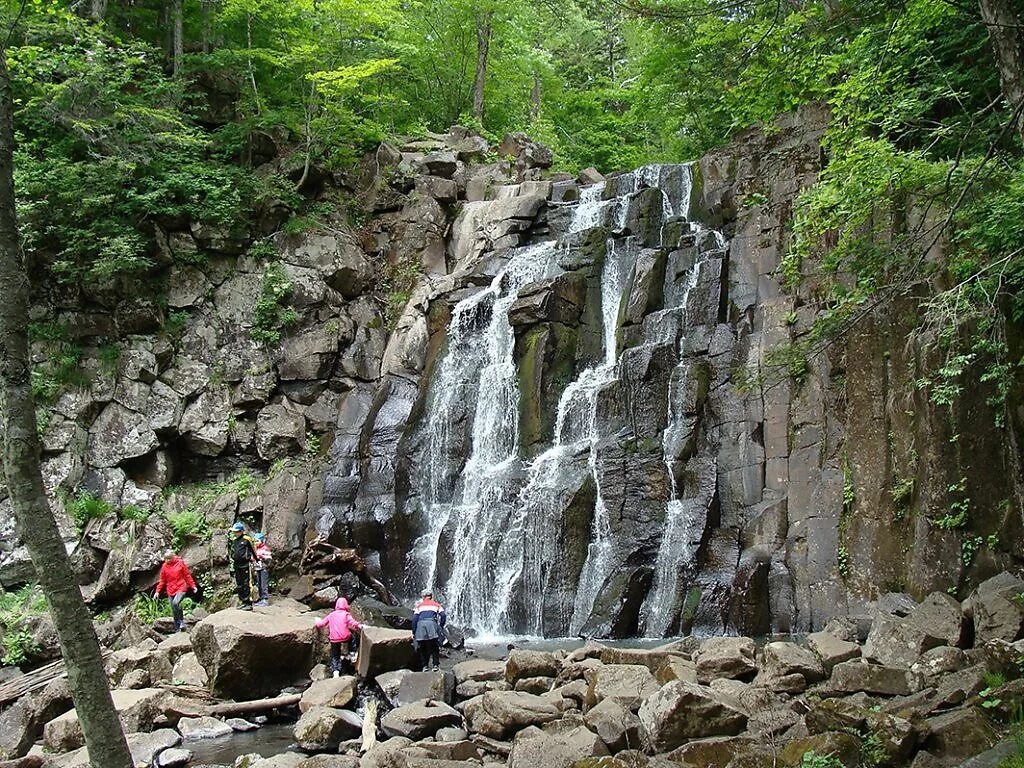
[490, 520]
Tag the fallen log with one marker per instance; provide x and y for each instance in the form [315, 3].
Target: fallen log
[233, 708]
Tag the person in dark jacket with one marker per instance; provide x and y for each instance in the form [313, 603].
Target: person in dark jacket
[428, 621]
[242, 550]
[175, 581]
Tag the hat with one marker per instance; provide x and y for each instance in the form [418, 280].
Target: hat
[427, 593]
[260, 536]
[168, 554]
[238, 527]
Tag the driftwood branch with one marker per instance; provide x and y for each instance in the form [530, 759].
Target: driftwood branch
[319, 555]
[234, 708]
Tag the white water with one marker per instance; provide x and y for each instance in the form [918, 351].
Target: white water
[496, 522]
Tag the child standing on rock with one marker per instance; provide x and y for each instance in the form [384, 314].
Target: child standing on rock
[262, 567]
[341, 624]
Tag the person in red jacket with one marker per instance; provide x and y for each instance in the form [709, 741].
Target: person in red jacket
[175, 581]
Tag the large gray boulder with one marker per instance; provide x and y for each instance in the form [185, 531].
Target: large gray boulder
[138, 710]
[681, 711]
[144, 748]
[502, 713]
[324, 728]
[382, 649]
[522, 664]
[996, 609]
[899, 641]
[199, 728]
[417, 721]
[248, 654]
[559, 745]
[784, 658]
[627, 684]
[832, 650]
[858, 676]
[334, 692]
[618, 728]
[729, 657]
[118, 434]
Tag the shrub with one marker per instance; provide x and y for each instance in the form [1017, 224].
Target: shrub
[85, 507]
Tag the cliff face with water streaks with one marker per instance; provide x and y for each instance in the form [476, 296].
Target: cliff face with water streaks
[577, 430]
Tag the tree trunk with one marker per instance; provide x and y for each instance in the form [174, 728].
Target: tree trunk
[205, 17]
[1006, 32]
[178, 44]
[535, 98]
[36, 526]
[483, 44]
[98, 9]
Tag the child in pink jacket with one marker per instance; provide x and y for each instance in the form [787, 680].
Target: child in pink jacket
[340, 624]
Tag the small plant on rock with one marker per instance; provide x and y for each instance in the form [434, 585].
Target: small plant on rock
[85, 507]
[813, 760]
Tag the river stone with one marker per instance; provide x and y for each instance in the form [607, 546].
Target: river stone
[783, 658]
[450, 750]
[137, 708]
[618, 728]
[241, 725]
[731, 657]
[417, 686]
[522, 664]
[478, 670]
[416, 721]
[248, 654]
[382, 649]
[188, 671]
[198, 728]
[171, 758]
[144, 748]
[997, 610]
[557, 748]
[681, 711]
[323, 728]
[336, 692]
[854, 676]
[832, 650]
[628, 684]
[511, 711]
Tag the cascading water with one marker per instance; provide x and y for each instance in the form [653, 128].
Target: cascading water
[495, 520]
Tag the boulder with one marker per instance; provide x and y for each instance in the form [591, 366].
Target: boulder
[554, 747]
[382, 649]
[329, 761]
[417, 721]
[996, 609]
[940, 661]
[144, 748]
[417, 686]
[628, 684]
[199, 728]
[729, 657]
[712, 751]
[618, 728]
[175, 757]
[150, 664]
[119, 433]
[899, 641]
[782, 659]
[280, 430]
[844, 748]
[855, 676]
[536, 685]
[957, 735]
[334, 692]
[478, 670]
[681, 711]
[832, 650]
[509, 712]
[18, 728]
[521, 664]
[248, 654]
[188, 671]
[137, 709]
[324, 728]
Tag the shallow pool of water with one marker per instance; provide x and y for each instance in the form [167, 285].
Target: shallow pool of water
[268, 741]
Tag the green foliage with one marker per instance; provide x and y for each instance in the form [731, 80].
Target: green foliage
[15, 608]
[187, 525]
[148, 608]
[872, 750]
[133, 513]
[87, 506]
[814, 760]
[271, 313]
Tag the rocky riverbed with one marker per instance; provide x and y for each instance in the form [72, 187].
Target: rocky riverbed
[922, 684]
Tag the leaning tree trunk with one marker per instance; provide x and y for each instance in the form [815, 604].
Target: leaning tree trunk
[177, 39]
[483, 45]
[36, 526]
[1006, 31]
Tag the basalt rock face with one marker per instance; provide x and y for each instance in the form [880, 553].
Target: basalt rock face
[580, 426]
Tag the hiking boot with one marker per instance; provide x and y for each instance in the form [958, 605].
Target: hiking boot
[262, 603]
[246, 607]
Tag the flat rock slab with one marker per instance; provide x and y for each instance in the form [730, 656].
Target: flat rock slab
[249, 654]
[137, 708]
[143, 746]
[417, 721]
[382, 649]
[855, 676]
[336, 692]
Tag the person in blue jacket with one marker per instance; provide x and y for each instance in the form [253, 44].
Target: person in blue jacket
[428, 621]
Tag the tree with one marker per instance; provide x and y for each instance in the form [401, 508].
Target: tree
[98, 9]
[483, 44]
[177, 39]
[1006, 30]
[36, 526]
